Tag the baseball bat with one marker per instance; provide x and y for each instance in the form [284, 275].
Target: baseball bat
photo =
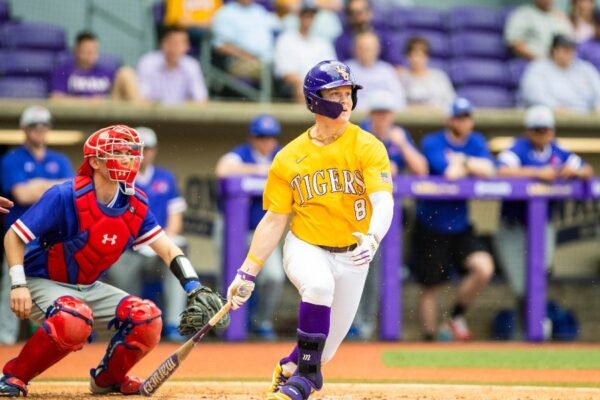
[170, 365]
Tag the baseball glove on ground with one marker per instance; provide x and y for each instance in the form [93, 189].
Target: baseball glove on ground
[202, 304]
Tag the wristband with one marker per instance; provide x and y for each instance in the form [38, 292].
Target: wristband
[17, 275]
[255, 260]
[18, 286]
[246, 276]
[184, 271]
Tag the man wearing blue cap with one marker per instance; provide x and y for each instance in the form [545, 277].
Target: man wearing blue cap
[255, 158]
[443, 235]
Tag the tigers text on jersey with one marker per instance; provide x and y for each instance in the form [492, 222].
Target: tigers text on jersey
[327, 187]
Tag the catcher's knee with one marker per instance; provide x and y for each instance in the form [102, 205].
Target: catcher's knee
[69, 323]
[140, 322]
[319, 294]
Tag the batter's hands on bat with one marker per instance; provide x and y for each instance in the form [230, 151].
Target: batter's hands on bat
[5, 204]
[20, 302]
[240, 289]
[366, 249]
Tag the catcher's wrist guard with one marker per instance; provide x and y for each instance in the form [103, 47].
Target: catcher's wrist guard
[185, 273]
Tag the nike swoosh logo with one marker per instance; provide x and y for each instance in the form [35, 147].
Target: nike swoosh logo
[299, 160]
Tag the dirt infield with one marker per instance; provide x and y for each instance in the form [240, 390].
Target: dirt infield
[241, 371]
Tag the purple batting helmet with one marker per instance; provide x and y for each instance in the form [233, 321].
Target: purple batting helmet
[328, 75]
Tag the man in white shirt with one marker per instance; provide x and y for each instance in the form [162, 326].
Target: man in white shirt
[296, 51]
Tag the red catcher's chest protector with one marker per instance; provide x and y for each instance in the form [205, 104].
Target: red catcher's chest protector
[101, 238]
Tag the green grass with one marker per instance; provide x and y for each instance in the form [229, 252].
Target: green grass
[504, 358]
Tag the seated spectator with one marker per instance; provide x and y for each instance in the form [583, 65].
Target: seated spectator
[535, 155]
[590, 49]
[195, 16]
[297, 51]
[530, 28]
[373, 73]
[561, 82]
[82, 77]
[327, 24]
[358, 19]
[424, 86]
[169, 75]
[244, 34]
[582, 18]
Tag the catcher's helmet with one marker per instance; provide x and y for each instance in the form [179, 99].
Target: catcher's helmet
[265, 125]
[121, 147]
[328, 75]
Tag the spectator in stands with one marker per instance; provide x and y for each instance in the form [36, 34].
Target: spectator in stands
[138, 267]
[404, 157]
[297, 51]
[84, 77]
[326, 25]
[582, 19]
[373, 73]
[195, 16]
[358, 19]
[170, 76]
[590, 49]
[535, 155]
[442, 235]
[255, 158]
[27, 172]
[424, 86]
[561, 82]
[244, 35]
[530, 28]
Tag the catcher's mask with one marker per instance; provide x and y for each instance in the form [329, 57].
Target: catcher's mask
[121, 147]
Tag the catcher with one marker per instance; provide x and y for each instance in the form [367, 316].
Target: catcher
[59, 248]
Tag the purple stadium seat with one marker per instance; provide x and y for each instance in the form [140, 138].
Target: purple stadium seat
[32, 63]
[4, 11]
[488, 96]
[438, 42]
[471, 19]
[479, 44]
[33, 35]
[23, 88]
[480, 72]
[516, 67]
[418, 18]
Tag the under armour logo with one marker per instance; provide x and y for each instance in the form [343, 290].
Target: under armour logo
[342, 71]
[112, 239]
[306, 357]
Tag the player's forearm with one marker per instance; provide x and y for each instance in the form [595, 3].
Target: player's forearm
[265, 239]
[518, 172]
[226, 169]
[480, 167]
[15, 248]
[383, 212]
[174, 224]
[415, 162]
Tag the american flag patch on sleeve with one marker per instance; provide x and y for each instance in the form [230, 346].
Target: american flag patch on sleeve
[386, 177]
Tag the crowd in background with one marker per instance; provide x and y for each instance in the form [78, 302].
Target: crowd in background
[552, 57]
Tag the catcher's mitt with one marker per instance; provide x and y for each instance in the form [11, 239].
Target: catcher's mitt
[202, 304]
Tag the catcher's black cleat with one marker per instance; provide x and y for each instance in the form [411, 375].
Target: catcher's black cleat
[11, 386]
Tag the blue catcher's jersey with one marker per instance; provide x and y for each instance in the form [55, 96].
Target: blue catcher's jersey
[53, 219]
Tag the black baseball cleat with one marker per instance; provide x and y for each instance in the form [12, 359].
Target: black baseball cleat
[11, 386]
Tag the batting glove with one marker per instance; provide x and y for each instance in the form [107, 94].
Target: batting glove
[367, 246]
[240, 289]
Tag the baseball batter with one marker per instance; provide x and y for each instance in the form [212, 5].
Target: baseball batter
[59, 248]
[335, 182]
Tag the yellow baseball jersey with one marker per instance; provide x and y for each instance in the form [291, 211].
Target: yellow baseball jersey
[327, 187]
[199, 11]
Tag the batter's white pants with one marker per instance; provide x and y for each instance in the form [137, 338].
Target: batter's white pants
[326, 279]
